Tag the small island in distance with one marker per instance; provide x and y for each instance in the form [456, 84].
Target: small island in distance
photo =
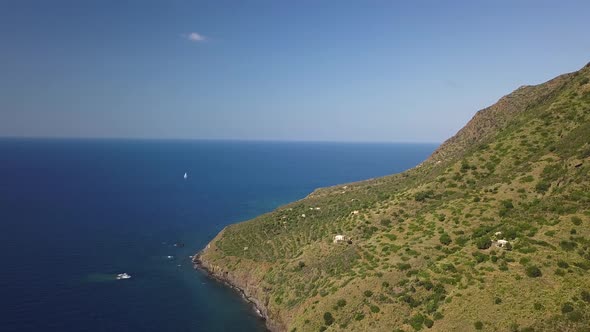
[491, 232]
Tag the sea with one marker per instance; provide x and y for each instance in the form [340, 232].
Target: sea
[75, 213]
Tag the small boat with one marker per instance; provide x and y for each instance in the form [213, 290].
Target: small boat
[169, 257]
[185, 176]
[121, 276]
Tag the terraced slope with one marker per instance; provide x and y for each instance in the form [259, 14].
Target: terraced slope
[424, 251]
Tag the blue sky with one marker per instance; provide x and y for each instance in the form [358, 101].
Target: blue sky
[412, 71]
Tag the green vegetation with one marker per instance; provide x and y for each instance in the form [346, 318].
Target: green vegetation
[567, 307]
[416, 322]
[478, 325]
[328, 318]
[533, 271]
[445, 239]
[426, 247]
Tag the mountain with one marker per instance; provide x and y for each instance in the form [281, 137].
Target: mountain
[491, 232]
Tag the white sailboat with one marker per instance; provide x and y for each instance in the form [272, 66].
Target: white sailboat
[185, 175]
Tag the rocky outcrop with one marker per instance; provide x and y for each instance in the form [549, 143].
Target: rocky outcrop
[249, 290]
[488, 121]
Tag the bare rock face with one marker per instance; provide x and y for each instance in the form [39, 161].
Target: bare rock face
[490, 120]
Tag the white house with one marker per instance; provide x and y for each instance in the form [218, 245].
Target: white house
[339, 238]
[502, 243]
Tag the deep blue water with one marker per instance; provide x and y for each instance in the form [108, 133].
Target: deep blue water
[73, 213]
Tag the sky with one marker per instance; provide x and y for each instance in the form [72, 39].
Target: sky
[366, 71]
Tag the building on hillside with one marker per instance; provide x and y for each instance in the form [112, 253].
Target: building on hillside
[504, 244]
[339, 238]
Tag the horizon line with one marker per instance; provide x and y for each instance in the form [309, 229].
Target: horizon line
[81, 138]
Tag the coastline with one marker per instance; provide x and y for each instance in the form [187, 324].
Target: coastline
[256, 304]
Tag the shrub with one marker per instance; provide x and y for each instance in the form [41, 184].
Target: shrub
[423, 195]
[542, 186]
[368, 293]
[416, 321]
[576, 221]
[575, 316]
[497, 300]
[533, 271]
[428, 322]
[359, 316]
[403, 266]
[478, 325]
[538, 306]
[585, 296]
[438, 316]
[341, 303]
[479, 257]
[445, 239]
[328, 318]
[385, 222]
[562, 264]
[461, 240]
[483, 243]
[375, 309]
[567, 245]
[567, 307]
[507, 204]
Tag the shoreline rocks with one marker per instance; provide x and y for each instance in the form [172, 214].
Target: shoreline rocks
[216, 274]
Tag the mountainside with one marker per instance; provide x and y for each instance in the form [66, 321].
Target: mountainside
[491, 233]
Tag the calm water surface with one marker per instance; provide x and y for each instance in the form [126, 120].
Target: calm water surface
[73, 213]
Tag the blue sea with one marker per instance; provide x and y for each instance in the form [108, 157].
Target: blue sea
[74, 213]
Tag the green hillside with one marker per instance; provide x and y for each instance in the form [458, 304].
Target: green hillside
[423, 251]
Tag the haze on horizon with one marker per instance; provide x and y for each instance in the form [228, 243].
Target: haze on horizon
[270, 70]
